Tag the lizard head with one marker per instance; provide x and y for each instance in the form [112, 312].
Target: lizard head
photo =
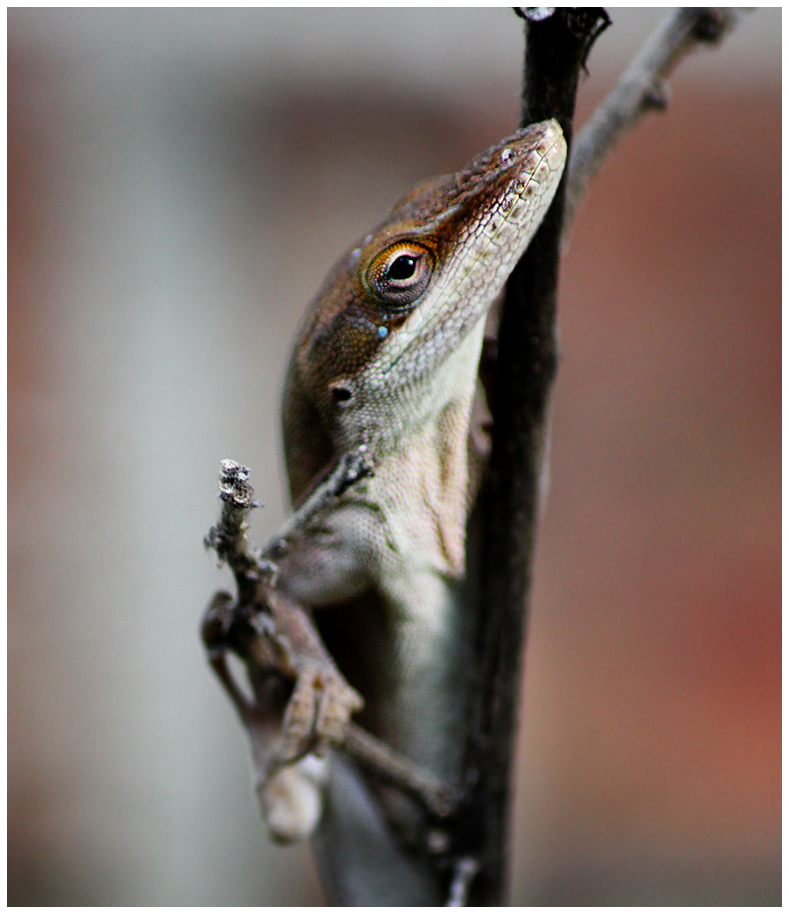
[409, 301]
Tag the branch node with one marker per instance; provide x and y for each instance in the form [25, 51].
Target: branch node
[216, 624]
[712, 25]
[466, 868]
[658, 95]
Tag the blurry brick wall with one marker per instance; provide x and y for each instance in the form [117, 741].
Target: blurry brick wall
[164, 237]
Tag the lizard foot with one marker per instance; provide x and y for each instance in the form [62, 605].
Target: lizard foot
[318, 713]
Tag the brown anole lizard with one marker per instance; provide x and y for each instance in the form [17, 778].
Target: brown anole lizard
[383, 378]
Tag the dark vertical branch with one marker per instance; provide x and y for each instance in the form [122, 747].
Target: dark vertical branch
[557, 45]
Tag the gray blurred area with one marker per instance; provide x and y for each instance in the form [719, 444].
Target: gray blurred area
[180, 180]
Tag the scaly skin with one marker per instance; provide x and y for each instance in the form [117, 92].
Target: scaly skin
[387, 361]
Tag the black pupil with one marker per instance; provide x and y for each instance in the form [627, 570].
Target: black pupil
[402, 268]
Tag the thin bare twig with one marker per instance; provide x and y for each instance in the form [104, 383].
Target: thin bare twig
[640, 89]
[376, 757]
[464, 872]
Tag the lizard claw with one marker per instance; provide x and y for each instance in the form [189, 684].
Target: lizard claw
[318, 712]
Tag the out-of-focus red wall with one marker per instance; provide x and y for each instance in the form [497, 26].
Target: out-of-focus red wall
[659, 575]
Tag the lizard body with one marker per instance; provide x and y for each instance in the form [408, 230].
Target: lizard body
[364, 598]
[387, 361]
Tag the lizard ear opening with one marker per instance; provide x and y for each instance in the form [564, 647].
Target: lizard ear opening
[341, 394]
[399, 274]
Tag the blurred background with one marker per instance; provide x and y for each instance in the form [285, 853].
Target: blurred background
[180, 180]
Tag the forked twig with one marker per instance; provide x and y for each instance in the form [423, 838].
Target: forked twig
[640, 89]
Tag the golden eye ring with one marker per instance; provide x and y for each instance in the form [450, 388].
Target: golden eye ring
[399, 275]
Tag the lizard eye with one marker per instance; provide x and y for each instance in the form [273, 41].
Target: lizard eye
[402, 268]
[400, 274]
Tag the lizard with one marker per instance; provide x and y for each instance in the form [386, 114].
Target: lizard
[368, 584]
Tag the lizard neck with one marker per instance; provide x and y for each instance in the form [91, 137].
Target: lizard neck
[422, 467]
[396, 416]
